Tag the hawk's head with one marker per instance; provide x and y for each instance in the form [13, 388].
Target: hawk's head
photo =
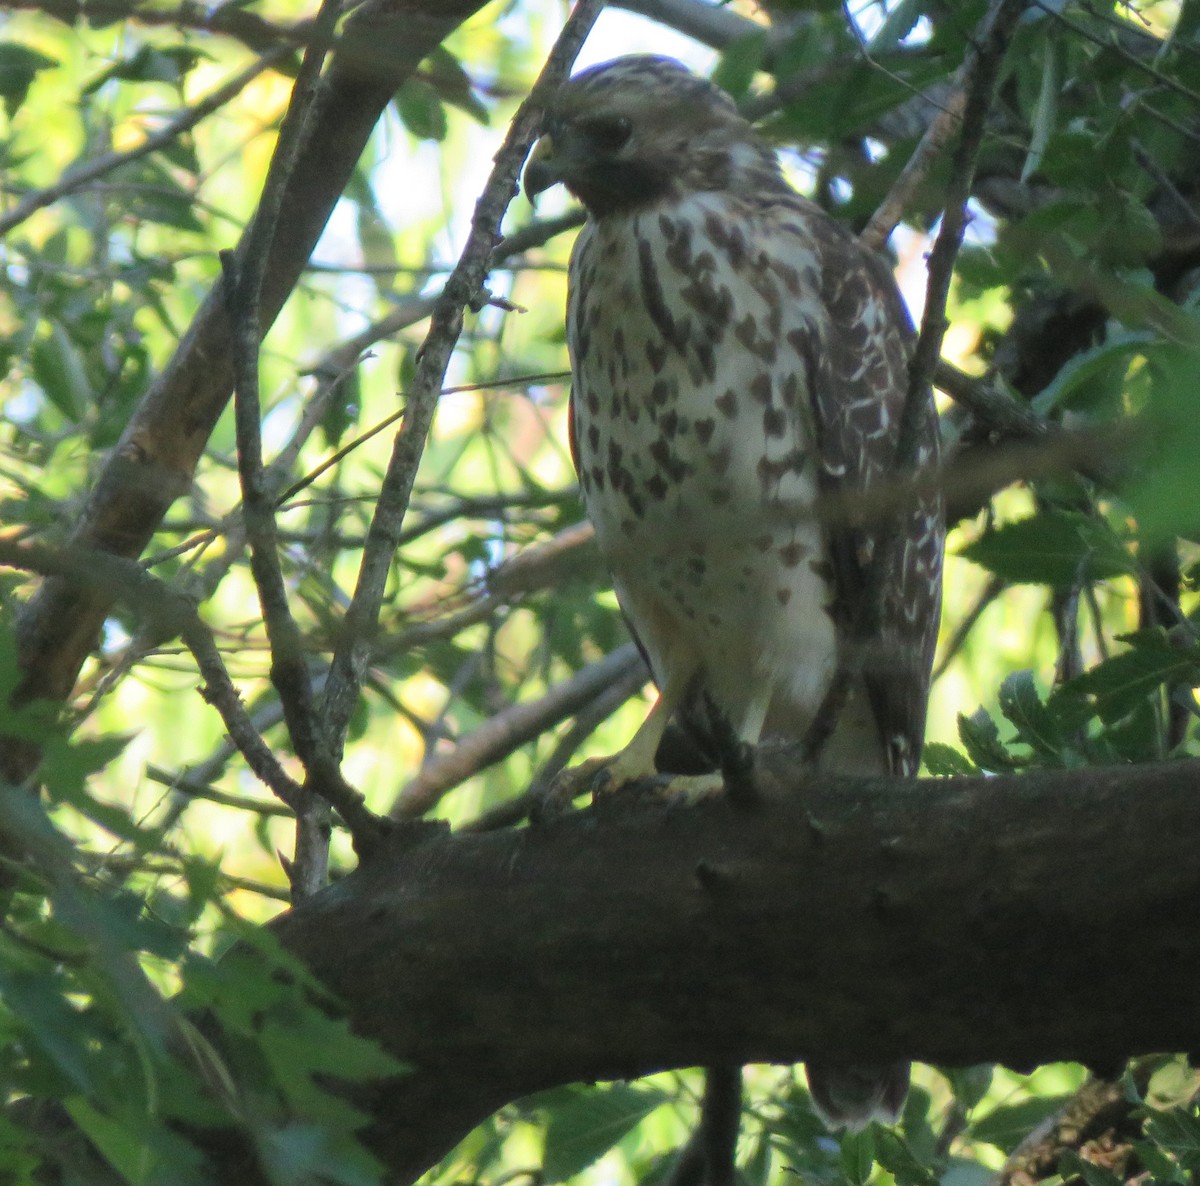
[629, 133]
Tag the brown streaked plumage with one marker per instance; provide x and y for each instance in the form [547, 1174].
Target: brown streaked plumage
[735, 354]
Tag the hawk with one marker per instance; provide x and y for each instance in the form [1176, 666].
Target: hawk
[735, 354]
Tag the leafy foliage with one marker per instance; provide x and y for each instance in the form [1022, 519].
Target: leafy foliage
[142, 1006]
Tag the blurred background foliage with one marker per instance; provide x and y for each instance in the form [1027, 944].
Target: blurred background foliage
[1069, 635]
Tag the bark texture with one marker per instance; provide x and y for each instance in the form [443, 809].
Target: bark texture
[1019, 920]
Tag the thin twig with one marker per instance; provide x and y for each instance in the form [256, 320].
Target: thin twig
[507, 731]
[324, 784]
[184, 784]
[230, 19]
[81, 175]
[587, 721]
[446, 322]
[989, 47]
[168, 614]
[925, 156]
[995, 586]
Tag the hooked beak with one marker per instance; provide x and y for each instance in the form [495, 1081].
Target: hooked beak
[542, 170]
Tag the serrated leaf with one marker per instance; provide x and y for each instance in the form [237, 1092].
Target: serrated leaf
[893, 1153]
[981, 739]
[1036, 726]
[858, 1155]
[1052, 547]
[589, 1123]
[1121, 683]
[944, 761]
[1009, 1124]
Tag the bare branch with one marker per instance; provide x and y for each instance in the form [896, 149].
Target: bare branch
[244, 275]
[462, 288]
[937, 135]
[169, 614]
[989, 45]
[507, 731]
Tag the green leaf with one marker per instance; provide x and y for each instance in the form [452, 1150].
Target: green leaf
[308, 1153]
[589, 1122]
[893, 1153]
[125, 1150]
[1093, 377]
[1036, 726]
[1053, 547]
[1071, 1164]
[1178, 1132]
[739, 64]
[981, 739]
[944, 761]
[1008, 1125]
[858, 1155]
[59, 370]
[149, 192]
[1172, 1085]
[1122, 683]
[170, 64]
[59, 1031]
[454, 84]
[420, 110]
[19, 65]
[969, 1084]
[1046, 112]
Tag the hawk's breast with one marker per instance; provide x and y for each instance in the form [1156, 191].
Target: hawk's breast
[692, 331]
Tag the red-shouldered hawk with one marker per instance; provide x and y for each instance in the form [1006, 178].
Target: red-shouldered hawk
[736, 353]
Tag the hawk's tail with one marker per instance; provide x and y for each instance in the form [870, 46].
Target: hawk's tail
[852, 1095]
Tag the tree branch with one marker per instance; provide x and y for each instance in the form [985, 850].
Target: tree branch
[382, 45]
[446, 321]
[952, 921]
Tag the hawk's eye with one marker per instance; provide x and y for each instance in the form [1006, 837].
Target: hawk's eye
[608, 132]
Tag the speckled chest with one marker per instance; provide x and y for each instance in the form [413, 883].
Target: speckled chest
[692, 337]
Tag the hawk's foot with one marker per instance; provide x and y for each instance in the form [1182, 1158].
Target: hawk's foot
[690, 789]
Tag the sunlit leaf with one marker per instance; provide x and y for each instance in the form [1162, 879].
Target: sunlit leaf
[586, 1124]
[19, 66]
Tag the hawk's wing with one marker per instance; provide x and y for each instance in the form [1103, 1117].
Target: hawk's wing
[858, 388]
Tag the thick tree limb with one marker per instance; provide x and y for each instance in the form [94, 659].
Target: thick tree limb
[1017, 919]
